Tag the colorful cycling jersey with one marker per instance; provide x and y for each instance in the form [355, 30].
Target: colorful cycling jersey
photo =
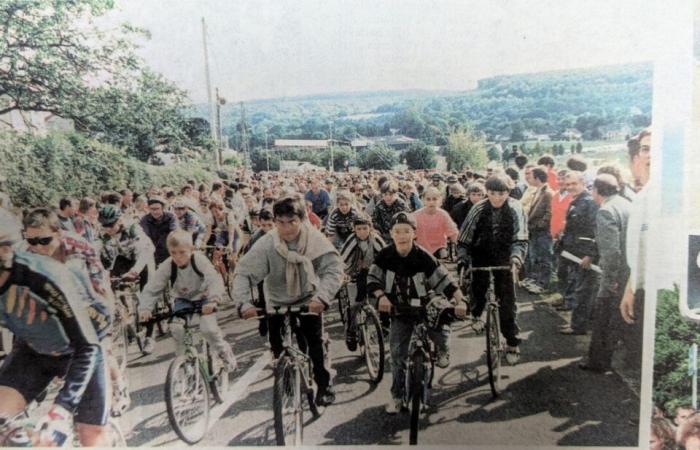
[45, 307]
[132, 244]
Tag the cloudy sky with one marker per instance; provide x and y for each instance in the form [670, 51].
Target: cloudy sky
[273, 48]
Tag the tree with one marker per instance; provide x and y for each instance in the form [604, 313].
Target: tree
[379, 157]
[517, 133]
[494, 154]
[49, 49]
[419, 156]
[465, 147]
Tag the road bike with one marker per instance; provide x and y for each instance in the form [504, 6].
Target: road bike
[419, 363]
[494, 346]
[293, 379]
[368, 332]
[19, 431]
[190, 379]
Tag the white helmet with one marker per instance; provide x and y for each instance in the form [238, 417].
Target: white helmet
[10, 228]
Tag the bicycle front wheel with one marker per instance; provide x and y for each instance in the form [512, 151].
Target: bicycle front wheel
[372, 343]
[417, 377]
[287, 404]
[493, 348]
[187, 399]
[120, 344]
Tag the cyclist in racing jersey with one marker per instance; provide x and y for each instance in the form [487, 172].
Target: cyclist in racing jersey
[403, 271]
[188, 221]
[49, 311]
[297, 265]
[192, 281]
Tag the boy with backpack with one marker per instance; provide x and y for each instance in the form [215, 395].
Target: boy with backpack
[191, 280]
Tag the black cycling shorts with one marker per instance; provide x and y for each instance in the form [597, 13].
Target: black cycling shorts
[30, 373]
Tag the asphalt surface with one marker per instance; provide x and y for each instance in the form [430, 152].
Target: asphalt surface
[547, 400]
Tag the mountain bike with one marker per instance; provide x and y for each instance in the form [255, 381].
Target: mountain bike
[293, 379]
[370, 338]
[419, 363]
[190, 379]
[494, 347]
[125, 327]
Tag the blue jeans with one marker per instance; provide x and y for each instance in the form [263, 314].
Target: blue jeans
[399, 339]
[539, 257]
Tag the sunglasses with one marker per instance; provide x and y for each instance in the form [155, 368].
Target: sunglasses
[46, 240]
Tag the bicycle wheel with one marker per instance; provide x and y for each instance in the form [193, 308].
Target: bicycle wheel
[187, 399]
[286, 403]
[417, 377]
[493, 348]
[343, 302]
[372, 343]
[116, 437]
[120, 343]
[163, 325]
[219, 383]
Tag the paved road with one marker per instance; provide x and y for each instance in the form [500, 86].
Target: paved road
[547, 399]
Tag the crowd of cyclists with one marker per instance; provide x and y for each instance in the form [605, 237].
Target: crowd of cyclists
[283, 238]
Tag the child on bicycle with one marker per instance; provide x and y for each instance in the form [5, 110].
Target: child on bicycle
[358, 254]
[191, 280]
[403, 271]
[495, 234]
[434, 225]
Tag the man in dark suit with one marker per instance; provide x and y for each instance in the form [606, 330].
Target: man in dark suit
[611, 232]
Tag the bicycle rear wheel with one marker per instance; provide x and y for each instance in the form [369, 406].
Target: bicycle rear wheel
[286, 403]
[417, 376]
[219, 383]
[493, 348]
[187, 399]
[372, 343]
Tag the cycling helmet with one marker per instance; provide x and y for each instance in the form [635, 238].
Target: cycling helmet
[10, 228]
[439, 311]
[109, 214]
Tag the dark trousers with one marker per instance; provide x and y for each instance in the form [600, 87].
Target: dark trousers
[607, 326]
[632, 338]
[583, 283]
[309, 337]
[505, 294]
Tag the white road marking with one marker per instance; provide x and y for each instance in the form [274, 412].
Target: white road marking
[237, 391]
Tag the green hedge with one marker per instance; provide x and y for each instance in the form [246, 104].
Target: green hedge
[674, 335]
[41, 170]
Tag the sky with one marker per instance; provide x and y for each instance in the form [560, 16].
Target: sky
[277, 48]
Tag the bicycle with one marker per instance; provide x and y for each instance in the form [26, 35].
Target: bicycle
[292, 379]
[370, 337]
[222, 259]
[343, 297]
[419, 363]
[20, 430]
[494, 347]
[126, 327]
[190, 379]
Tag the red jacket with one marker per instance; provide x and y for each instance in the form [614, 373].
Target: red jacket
[559, 207]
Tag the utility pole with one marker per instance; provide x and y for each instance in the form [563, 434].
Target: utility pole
[330, 142]
[219, 134]
[209, 99]
[244, 137]
[267, 152]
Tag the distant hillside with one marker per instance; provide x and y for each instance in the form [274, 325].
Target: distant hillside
[594, 101]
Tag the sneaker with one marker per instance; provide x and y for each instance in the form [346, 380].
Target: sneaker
[148, 346]
[351, 340]
[478, 325]
[325, 396]
[443, 360]
[229, 360]
[512, 355]
[394, 406]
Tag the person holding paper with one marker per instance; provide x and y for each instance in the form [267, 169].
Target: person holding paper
[579, 240]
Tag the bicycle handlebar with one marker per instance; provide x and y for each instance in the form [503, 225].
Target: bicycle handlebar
[488, 268]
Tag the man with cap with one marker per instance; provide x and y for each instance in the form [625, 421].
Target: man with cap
[403, 271]
[188, 221]
[437, 182]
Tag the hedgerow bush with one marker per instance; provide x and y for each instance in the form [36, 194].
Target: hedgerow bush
[41, 170]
